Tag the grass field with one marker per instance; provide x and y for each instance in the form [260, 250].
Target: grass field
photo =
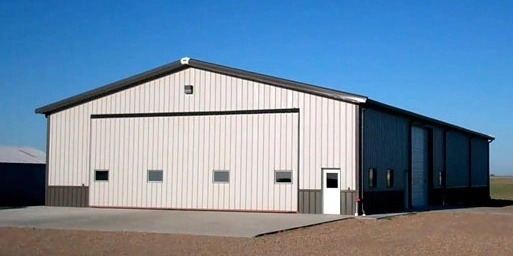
[501, 188]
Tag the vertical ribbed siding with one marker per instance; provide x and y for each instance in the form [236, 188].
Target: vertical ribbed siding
[310, 201]
[479, 164]
[69, 196]
[327, 134]
[386, 147]
[438, 155]
[457, 160]
[347, 202]
[189, 154]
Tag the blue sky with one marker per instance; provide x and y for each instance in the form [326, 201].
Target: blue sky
[451, 60]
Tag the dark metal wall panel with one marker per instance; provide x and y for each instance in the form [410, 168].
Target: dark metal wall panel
[385, 147]
[438, 155]
[347, 202]
[383, 201]
[71, 196]
[22, 184]
[479, 162]
[310, 201]
[457, 160]
[478, 196]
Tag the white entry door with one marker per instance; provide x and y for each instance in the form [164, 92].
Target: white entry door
[331, 191]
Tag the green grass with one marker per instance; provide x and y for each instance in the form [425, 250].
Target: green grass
[501, 188]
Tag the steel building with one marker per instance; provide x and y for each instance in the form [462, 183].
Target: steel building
[196, 135]
[22, 176]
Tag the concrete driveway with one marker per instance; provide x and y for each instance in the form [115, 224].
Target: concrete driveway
[231, 224]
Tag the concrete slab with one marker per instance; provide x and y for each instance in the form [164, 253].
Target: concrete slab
[382, 216]
[230, 224]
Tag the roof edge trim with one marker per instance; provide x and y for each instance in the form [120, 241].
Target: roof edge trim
[187, 62]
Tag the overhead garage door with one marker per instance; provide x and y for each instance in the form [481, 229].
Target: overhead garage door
[419, 166]
[185, 151]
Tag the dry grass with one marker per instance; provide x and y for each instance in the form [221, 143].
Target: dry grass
[501, 188]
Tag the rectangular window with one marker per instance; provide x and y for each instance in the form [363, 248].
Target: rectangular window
[390, 178]
[155, 175]
[372, 177]
[283, 176]
[101, 175]
[331, 180]
[221, 176]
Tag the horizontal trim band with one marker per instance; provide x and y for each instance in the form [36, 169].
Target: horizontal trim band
[198, 113]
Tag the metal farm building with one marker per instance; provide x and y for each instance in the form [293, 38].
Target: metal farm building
[196, 135]
[22, 176]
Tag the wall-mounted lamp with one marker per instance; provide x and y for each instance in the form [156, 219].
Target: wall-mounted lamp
[188, 89]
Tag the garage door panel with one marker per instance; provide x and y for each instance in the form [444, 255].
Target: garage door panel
[419, 160]
[188, 149]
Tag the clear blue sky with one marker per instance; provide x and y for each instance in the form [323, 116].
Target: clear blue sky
[451, 60]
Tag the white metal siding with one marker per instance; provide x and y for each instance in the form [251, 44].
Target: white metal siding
[479, 163]
[188, 149]
[419, 166]
[327, 127]
[457, 160]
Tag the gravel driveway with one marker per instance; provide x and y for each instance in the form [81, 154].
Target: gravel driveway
[429, 233]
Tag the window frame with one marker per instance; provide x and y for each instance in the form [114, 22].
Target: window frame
[372, 178]
[390, 178]
[96, 175]
[154, 181]
[220, 182]
[283, 182]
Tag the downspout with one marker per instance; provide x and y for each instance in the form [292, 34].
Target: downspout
[488, 167]
[444, 173]
[362, 144]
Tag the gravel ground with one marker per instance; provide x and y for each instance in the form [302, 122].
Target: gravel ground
[429, 233]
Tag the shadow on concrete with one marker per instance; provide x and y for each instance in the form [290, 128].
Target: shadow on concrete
[7, 207]
[500, 203]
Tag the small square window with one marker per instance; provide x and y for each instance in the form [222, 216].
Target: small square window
[372, 177]
[101, 175]
[283, 176]
[390, 178]
[221, 176]
[155, 175]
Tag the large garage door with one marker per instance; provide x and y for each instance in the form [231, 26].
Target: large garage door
[419, 168]
[218, 162]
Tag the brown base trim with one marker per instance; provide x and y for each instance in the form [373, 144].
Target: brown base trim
[70, 196]
[348, 202]
[310, 201]
[188, 209]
